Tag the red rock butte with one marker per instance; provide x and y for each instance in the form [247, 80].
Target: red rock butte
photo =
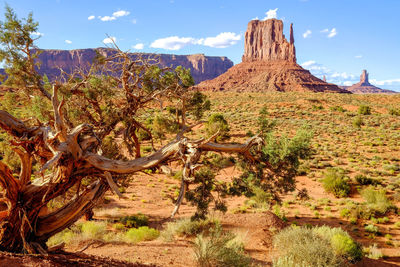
[364, 87]
[268, 64]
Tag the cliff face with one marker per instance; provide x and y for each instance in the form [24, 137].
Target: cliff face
[202, 67]
[364, 87]
[269, 64]
[264, 40]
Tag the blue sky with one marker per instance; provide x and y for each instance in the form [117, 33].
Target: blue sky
[336, 38]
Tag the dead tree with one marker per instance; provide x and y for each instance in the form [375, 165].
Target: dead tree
[68, 156]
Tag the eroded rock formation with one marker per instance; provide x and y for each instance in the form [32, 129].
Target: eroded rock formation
[364, 87]
[268, 64]
[264, 40]
[202, 67]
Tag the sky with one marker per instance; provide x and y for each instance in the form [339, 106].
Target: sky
[336, 38]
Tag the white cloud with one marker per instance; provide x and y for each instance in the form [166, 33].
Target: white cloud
[115, 15]
[110, 40]
[358, 56]
[91, 17]
[68, 41]
[332, 33]
[319, 70]
[121, 13]
[222, 40]
[271, 14]
[107, 18]
[307, 34]
[256, 18]
[386, 82]
[37, 34]
[139, 46]
[172, 42]
[134, 21]
[325, 30]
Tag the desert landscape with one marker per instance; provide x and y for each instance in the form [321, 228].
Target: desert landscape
[118, 158]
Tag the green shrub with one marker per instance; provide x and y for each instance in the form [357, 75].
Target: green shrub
[373, 252]
[345, 246]
[143, 233]
[134, 221]
[364, 110]
[93, 230]
[337, 108]
[364, 180]
[336, 183]
[370, 228]
[300, 246]
[219, 249]
[358, 122]
[376, 201]
[216, 122]
[187, 227]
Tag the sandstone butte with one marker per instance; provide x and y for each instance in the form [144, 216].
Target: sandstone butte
[202, 67]
[364, 87]
[268, 64]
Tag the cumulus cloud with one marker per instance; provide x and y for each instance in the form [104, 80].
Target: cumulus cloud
[121, 13]
[172, 42]
[134, 21]
[110, 40]
[307, 34]
[332, 33]
[271, 14]
[319, 70]
[108, 18]
[358, 56]
[138, 46]
[222, 40]
[115, 15]
[386, 82]
[91, 17]
[325, 30]
[68, 41]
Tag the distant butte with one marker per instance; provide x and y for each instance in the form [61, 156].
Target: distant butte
[268, 64]
[364, 87]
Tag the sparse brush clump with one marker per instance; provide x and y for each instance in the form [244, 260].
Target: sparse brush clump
[143, 233]
[188, 227]
[364, 180]
[216, 122]
[376, 201]
[320, 246]
[364, 110]
[219, 249]
[336, 182]
[135, 221]
[358, 122]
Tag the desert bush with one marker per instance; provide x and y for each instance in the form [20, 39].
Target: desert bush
[216, 122]
[187, 227]
[93, 230]
[364, 110]
[134, 221]
[364, 180]
[358, 122]
[143, 233]
[300, 246]
[318, 246]
[373, 252]
[219, 249]
[376, 200]
[336, 183]
[337, 108]
[370, 228]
